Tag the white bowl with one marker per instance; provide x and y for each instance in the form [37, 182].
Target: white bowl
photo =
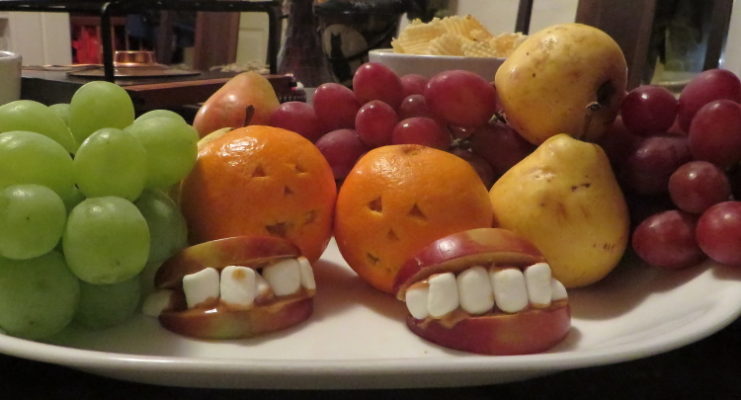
[429, 65]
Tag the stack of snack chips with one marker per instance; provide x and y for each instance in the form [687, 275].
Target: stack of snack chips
[454, 36]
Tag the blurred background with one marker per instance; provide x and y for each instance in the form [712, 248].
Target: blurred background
[666, 41]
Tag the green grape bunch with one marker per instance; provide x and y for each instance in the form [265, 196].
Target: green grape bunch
[85, 215]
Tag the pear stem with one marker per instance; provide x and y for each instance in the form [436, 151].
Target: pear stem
[249, 112]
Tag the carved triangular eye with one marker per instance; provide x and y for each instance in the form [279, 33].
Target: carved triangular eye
[277, 229]
[392, 236]
[376, 205]
[259, 172]
[299, 169]
[415, 212]
[372, 258]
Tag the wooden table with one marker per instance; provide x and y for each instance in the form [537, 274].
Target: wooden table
[50, 87]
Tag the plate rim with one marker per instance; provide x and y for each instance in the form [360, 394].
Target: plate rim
[717, 318]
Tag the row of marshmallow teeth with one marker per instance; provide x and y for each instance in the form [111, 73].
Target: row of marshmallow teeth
[238, 287]
[477, 290]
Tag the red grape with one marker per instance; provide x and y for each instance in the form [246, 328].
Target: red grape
[413, 84]
[414, 105]
[719, 232]
[649, 109]
[486, 173]
[647, 169]
[459, 132]
[643, 206]
[618, 143]
[374, 81]
[734, 177]
[341, 148]
[697, 185]
[299, 117]
[500, 145]
[336, 106]
[461, 98]
[374, 123]
[667, 240]
[715, 133]
[705, 87]
[420, 130]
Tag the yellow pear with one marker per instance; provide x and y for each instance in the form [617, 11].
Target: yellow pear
[565, 78]
[565, 199]
[247, 98]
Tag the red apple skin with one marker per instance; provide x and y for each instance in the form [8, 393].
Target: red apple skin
[238, 250]
[461, 250]
[220, 321]
[531, 331]
[527, 332]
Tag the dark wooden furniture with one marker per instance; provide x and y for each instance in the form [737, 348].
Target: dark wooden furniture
[106, 10]
[631, 23]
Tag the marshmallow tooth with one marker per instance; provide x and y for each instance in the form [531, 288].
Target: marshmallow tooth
[443, 294]
[238, 286]
[263, 288]
[538, 280]
[558, 290]
[201, 286]
[510, 291]
[157, 302]
[307, 274]
[474, 288]
[283, 276]
[416, 300]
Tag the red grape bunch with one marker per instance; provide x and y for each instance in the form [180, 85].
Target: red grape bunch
[449, 111]
[677, 160]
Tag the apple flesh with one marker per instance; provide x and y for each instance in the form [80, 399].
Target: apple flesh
[531, 330]
[219, 321]
[527, 332]
[238, 250]
[456, 252]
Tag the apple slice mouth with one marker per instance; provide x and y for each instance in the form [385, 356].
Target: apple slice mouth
[484, 291]
[233, 288]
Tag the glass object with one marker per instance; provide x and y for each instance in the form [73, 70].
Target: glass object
[679, 41]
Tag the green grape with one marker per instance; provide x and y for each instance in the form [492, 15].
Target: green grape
[74, 199]
[106, 240]
[99, 104]
[111, 162]
[32, 220]
[104, 306]
[62, 110]
[171, 147]
[28, 157]
[32, 116]
[168, 232]
[38, 297]
[160, 113]
[146, 277]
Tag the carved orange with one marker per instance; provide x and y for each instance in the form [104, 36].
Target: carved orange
[261, 180]
[396, 200]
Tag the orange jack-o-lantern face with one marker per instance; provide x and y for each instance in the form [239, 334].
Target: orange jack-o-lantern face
[398, 199]
[261, 180]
